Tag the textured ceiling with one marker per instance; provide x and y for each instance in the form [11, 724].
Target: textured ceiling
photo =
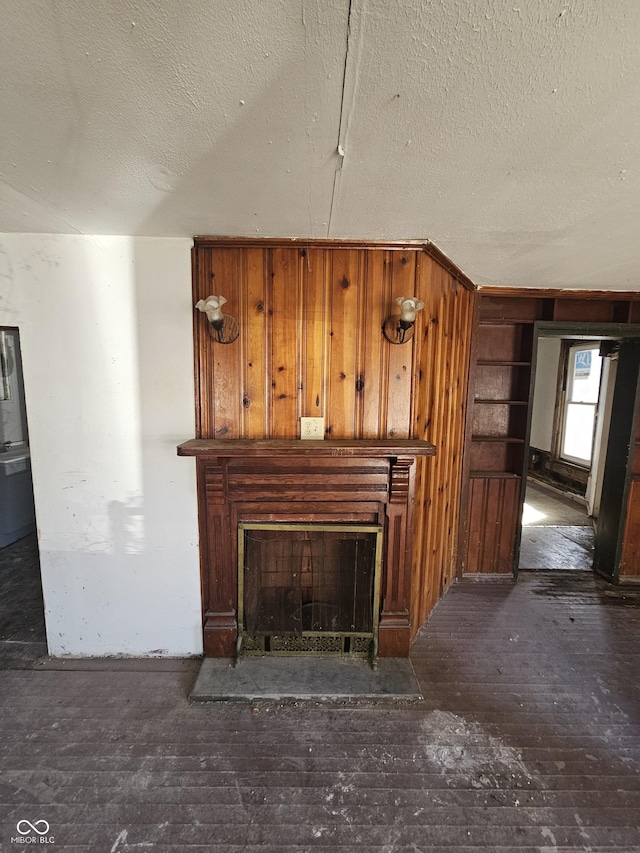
[508, 133]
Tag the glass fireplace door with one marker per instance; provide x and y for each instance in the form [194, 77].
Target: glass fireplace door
[308, 588]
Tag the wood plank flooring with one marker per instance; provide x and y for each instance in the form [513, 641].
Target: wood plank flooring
[556, 532]
[528, 739]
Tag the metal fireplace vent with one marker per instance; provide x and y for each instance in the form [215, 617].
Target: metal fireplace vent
[308, 588]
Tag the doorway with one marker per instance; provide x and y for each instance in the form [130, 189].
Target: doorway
[577, 459]
[22, 627]
[566, 432]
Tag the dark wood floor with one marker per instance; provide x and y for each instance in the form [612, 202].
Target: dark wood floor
[528, 739]
[21, 604]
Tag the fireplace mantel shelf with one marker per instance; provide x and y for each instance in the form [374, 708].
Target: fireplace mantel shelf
[372, 448]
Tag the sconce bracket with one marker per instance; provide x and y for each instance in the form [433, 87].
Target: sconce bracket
[394, 333]
[228, 333]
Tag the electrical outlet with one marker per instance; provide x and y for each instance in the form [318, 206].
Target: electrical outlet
[312, 428]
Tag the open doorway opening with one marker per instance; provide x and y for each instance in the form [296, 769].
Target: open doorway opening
[22, 628]
[567, 449]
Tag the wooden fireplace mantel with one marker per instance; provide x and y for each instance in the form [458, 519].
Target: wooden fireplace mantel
[372, 447]
[367, 481]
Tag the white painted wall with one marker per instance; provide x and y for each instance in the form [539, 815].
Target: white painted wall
[544, 395]
[106, 333]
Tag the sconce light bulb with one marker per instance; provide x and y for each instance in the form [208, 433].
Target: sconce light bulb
[222, 327]
[409, 308]
[212, 307]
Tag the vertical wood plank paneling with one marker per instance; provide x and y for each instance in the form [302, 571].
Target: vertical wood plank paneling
[374, 347]
[440, 420]
[314, 333]
[285, 350]
[400, 364]
[630, 554]
[493, 507]
[201, 270]
[227, 400]
[421, 289]
[424, 568]
[256, 394]
[363, 331]
[478, 488]
[630, 557]
[418, 395]
[439, 417]
[507, 525]
[449, 485]
[460, 357]
[344, 336]
[446, 429]
[462, 332]
[434, 432]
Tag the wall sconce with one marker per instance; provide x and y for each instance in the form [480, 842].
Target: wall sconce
[398, 328]
[223, 328]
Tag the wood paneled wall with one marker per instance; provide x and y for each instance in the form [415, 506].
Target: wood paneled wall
[630, 556]
[311, 345]
[439, 417]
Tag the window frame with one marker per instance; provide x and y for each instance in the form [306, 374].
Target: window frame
[563, 402]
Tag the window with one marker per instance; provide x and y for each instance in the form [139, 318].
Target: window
[582, 389]
[7, 361]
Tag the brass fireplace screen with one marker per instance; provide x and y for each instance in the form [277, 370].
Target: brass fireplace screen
[308, 588]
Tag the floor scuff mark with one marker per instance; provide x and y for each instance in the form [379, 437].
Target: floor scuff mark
[454, 744]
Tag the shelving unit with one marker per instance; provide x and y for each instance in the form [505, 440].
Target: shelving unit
[498, 410]
[500, 397]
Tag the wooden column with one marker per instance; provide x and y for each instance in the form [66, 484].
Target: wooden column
[395, 625]
[220, 586]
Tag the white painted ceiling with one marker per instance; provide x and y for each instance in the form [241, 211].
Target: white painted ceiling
[508, 133]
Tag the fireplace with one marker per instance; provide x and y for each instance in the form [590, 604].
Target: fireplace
[306, 546]
[308, 588]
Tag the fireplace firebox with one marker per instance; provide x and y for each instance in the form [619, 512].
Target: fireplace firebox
[308, 588]
[306, 546]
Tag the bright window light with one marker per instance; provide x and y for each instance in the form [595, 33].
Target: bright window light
[531, 515]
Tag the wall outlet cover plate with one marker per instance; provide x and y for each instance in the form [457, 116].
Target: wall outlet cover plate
[312, 429]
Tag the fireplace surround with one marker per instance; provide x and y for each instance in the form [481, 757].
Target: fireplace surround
[308, 588]
[327, 496]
